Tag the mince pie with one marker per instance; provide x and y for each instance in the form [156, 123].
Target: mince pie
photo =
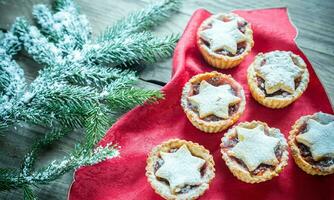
[312, 143]
[254, 152]
[278, 78]
[179, 169]
[213, 101]
[225, 39]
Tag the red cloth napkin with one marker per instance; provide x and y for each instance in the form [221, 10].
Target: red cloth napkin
[138, 131]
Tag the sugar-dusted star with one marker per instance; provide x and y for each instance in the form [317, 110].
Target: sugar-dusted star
[180, 168]
[319, 138]
[212, 100]
[255, 147]
[279, 72]
[223, 35]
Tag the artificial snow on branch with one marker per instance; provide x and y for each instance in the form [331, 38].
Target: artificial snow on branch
[83, 84]
[141, 20]
[135, 48]
[12, 81]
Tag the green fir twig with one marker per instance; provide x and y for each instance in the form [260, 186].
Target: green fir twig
[83, 84]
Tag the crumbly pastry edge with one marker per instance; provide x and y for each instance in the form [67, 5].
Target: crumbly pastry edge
[299, 160]
[217, 126]
[196, 149]
[243, 174]
[222, 61]
[275, 102]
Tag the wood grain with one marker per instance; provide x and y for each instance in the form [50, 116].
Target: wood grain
[314, 20]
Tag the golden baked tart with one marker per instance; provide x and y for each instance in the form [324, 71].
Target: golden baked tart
[278, 78]
[254, 152]
[224, 40]
[213, 101]
[312, 143]
[179, 169]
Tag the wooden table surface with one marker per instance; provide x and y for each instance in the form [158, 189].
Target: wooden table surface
[314, 20]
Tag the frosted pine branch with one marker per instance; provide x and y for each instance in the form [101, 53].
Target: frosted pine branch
[37, 44]
[82, 84]
[97, 76]
[82, 157]
[31, 156]
[76, 27]
[9, 45]
[138, 47]
[12, 81]
[45, 20]
[65, 5]
[28, 194]
[95, 123]
[67, 105]
[135, 96]
[11, 178]
[141, 20]
[72, 23]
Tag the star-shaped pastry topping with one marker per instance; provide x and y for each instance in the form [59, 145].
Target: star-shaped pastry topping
[319, 138]
[214, 100]
[180, 168]
[255, 147]
[223, 35]
[279, 72]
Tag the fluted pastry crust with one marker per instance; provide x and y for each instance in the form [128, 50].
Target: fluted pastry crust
[196, 150]
[241, 172]
[296, 152]
[275, 101]
[223, 61]
[212, 126]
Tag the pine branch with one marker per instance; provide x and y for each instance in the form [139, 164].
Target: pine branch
[36, 44]
[5, 77]
[127, 98]
[80, 157]
[65, 104]
[12, 81]
[76, 27]
[98, 76]
[50, 104]
[59, 28]
[65, 5]
[73, 24]
[31, 156]
[4, 80]
[139, 47]
[141, 20]
[66, 27]
[122, 82]
[8, 179]
[9, 44]
[95, 126]
[28, 194]
[12, 179]
[45, 20]
[75, 89]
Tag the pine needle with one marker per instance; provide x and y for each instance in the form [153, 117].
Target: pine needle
[81, 86]
[141, 20]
